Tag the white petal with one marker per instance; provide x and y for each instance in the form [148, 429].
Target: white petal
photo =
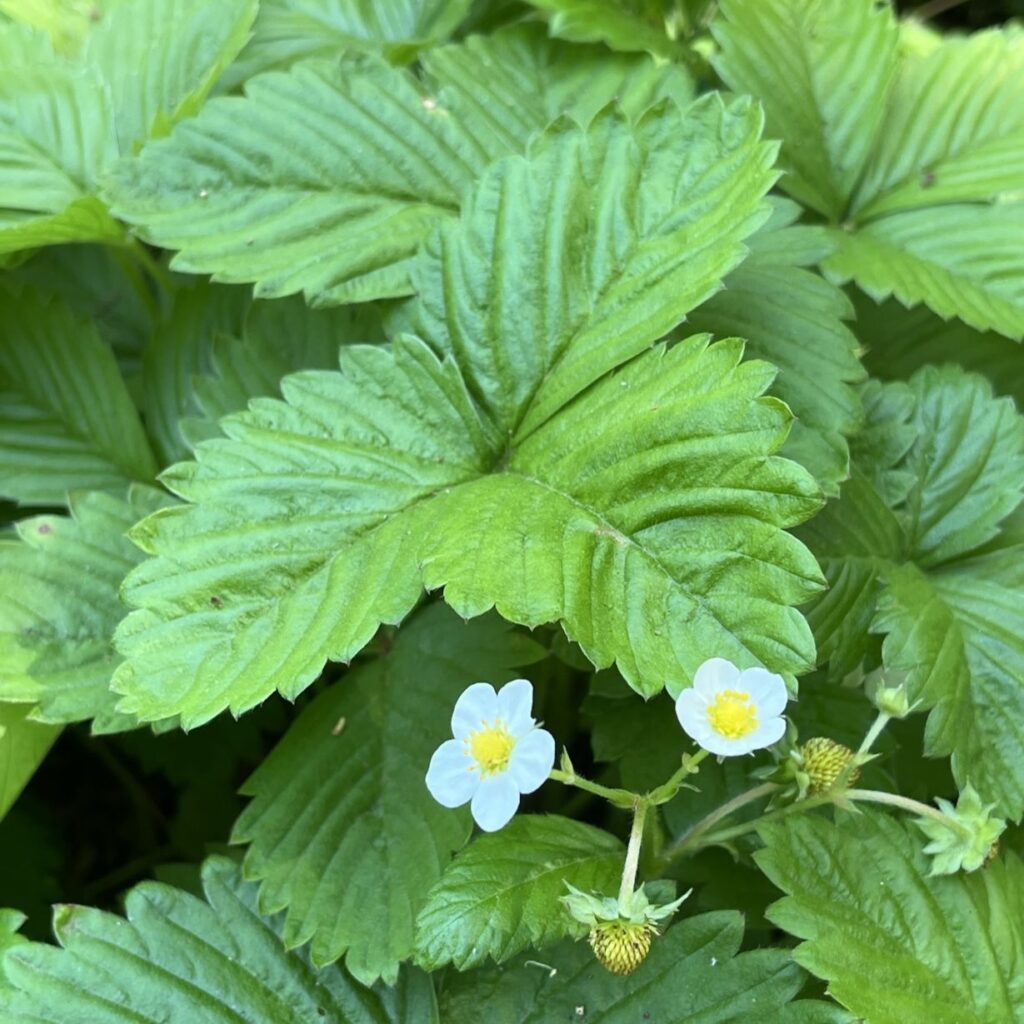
[495, 802]
[768, 731]
[715, 675]
[766, 689]
[721, 745]
[478, 703]
[692, 712]
[515, 705]
[450, 777]
[532, 759]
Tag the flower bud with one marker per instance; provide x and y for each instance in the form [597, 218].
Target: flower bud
[893, 701]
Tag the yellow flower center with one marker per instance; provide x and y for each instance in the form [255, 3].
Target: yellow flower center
[491, 747]
[732, 714]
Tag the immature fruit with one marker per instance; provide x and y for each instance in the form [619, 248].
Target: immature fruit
[622, 946]
[824, 761]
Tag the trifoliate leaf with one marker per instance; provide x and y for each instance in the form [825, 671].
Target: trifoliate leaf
[287, 31]
[68, 422]
[822, 68]
[177, 957]
[505, 87]
[694, 972]
[23, 745]
[363, 486]
[343, 834]
[793, 318]
[503, 893]
[894, 944]
[59, 606]
[913, 154]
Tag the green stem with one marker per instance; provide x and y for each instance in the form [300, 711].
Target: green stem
[692, 835]
[568, 779]
[874, 732]
[155, 271]
[726, 834]
[636, 837]
[875, 796]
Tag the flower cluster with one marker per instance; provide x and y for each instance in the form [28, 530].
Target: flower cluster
[498, 751]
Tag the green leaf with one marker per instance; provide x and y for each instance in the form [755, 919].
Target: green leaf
[628, 25]
[505, 87]
[64, 124]
[793, 318]
[342, 830]
[178, 957]
[288, 31]
[958, 638]
[351, 150]
[320, 517]
[502, 893]
[178, 352]
[962, 259]
[822, 68]
[161, 58]
[953, 130]
[68, 422]
[56, 135]
[694, 972]
[23, 745]
[59, 606]
[900, 341]
[618, 234]
[277, 338]
[968, 464]
[893, 944]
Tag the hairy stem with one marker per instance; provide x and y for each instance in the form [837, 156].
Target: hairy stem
[571, 779]
[636, 838]
[875, 796]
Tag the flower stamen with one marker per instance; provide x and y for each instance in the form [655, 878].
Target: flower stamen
[732, 714]
[491, 748]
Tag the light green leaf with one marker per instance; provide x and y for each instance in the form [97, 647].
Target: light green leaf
[628, 25]
[505, 87]
[953, 129]
[959, 640]
[180, 350]
[287, 31]
[342, 831]
[277, 338]
[160, 58]
[822, 68]
[23, 745]
[59, 605]
[338, 174]
[900, 341]
[618, 234]
[893, 944]
[502, 894]
[177, 957]
[68, 422]
[968, 464]
[793, 318]
[320, 517]
[963, 260]
[694, 972]
[10, 922]
[56, 135]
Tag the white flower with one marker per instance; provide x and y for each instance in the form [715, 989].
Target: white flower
[498, 752]
[730, 712]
